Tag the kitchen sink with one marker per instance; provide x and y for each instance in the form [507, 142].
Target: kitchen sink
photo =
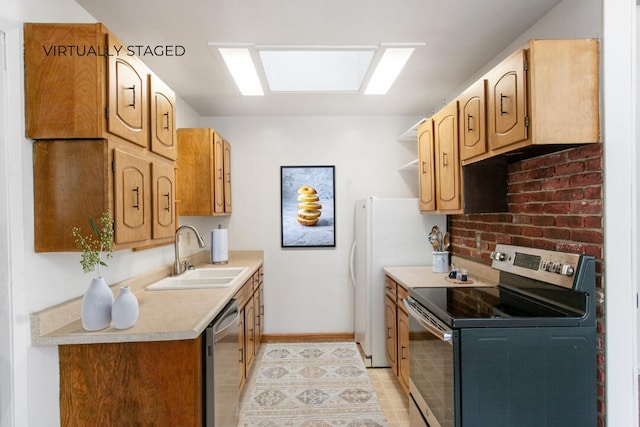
[203, 278]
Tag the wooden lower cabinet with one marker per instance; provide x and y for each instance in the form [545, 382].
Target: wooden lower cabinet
[250, 327]
[391, 347]
[397, 324]
[403, 342]
[137, 383]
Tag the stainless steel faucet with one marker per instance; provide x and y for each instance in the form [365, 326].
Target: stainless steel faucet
[178, 268]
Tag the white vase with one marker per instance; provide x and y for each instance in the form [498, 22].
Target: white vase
[125, 309]
[96, 305]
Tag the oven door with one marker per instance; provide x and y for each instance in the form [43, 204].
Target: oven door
[432, 373]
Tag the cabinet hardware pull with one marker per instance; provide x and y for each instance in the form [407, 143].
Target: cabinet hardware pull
[502, 97]
[166, 116]
[167, 208]
[469, 117]
[133, 96]
[241, 356]
[137, 191]
[220, 173]
[424, 168]
[402, 357]
[388, 332]
[444, 159]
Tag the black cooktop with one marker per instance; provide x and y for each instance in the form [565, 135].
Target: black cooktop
[501, 306]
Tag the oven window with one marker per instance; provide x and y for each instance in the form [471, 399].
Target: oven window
[431, 370]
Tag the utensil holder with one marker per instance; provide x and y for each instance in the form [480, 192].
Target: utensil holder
[440, 262]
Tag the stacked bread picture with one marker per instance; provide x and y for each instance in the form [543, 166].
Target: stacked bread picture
[308, 206]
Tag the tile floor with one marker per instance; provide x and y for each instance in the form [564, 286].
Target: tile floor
[392, 399]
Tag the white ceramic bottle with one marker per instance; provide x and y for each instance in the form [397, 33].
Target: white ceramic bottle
[96, 305]
[125, 309]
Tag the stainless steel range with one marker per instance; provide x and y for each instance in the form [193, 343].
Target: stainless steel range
[519, 354]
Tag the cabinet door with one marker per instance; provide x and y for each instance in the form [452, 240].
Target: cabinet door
[132, 197]
[426, 177]
[250, 334]
[163, 106]
[508, 102]
[226, 166]
[195, 171]
[163, 188]
[257, 303]
[473, 135]
[128, 115]
[218, 170]
[391, 340]
[241, 350]
[447, 167]
[403, 349]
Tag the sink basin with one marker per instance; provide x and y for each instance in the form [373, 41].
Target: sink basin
[212, 273]
[203, 278]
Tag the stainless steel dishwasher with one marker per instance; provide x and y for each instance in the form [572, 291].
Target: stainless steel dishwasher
[221, 373]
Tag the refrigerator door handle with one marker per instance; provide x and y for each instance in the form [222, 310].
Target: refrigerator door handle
[352, 267]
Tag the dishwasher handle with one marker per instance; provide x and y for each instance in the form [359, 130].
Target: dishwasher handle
[433, 326]
[222, 326]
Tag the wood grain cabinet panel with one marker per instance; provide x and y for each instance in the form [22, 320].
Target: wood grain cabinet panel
[127, 384]
[543, 95]
[163, 188]
[447, 162]
[426, 175]
[204, 172]
[132, 176]
[473, 132]
[162, 109]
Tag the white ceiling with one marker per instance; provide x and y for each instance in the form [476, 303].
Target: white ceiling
[460, 37]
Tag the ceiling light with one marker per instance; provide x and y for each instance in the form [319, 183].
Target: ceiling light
[392, 62]
[310, 69]
[242, 69]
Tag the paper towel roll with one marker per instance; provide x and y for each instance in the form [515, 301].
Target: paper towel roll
[219, 246]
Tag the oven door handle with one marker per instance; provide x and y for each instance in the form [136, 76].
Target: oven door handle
[427, 324]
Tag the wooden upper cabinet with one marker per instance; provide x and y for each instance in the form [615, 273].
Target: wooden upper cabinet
[473, 129]
[82, 82]
[226, 166]
[508, 102]
[128, 105]
[162, 102]
[203, 174]
[545, 94]
[163, 192]
[447, 162]
[426, 175]
[132, 195]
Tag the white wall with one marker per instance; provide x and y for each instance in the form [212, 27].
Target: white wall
[308, 290]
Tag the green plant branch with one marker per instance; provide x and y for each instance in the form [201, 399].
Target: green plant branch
[95, 248]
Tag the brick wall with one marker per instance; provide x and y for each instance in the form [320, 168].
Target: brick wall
[555, 202]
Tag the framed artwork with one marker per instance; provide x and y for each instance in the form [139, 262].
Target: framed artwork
[307, 206]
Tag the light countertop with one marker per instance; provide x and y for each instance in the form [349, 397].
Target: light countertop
[164, 315]
[424, 277]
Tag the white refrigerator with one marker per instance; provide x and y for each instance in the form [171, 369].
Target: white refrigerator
[388, 233]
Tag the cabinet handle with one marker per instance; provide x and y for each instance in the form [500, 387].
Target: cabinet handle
[133, 96]
[469, 117]
[388, 332]
[168, 207]
[252, 336]
[444, 159]
[402, 353]
[502, 97]
[424, 168]
[137, 191]
[241, 356]
[166, 116]
[219, 173]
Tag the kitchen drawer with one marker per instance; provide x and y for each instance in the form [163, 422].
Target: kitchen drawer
[391, 288]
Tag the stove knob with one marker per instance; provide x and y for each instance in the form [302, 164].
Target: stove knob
[498, 256]
[546, 265]
[567, 270]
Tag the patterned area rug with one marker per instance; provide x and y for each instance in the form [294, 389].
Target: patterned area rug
[313, 385]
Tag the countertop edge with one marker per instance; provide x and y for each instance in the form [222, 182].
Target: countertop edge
[61, 325]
